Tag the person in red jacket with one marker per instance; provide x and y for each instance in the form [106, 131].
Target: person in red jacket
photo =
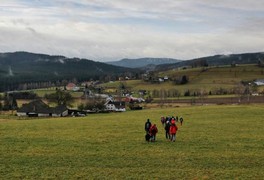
[153, 131]
[173, 131]
[173, 121]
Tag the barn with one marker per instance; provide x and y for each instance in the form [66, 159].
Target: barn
[38, 108]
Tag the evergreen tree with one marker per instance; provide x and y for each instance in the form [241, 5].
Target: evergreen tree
[184, 79]
[1, 106]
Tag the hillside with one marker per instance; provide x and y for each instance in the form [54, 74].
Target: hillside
[143, 62]
[21, 67]
[217, 60]
[218, 80]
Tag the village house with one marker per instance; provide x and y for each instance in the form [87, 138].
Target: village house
[72, 87]
[259, 82]
[134, 99]
[142, 92]
[165, 78]
[117, 106]
[38, 108]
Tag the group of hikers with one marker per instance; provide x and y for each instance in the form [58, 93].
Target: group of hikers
[169, 125]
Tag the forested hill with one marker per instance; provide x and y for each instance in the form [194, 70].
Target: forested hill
[20, 67]
[142, 62]
[217, 60]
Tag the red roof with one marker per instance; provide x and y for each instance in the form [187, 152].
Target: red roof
[71, 85]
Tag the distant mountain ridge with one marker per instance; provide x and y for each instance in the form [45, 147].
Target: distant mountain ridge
[217, 60]
[25, 67]
[143, 62]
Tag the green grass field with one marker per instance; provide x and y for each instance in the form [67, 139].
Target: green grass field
[215, 142]
[225, 77]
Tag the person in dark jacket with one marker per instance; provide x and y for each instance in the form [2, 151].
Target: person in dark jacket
[167, 129]
[147, 126]
[162, 120]
[181, 120]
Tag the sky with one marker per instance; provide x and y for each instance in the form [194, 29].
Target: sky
[110, 30]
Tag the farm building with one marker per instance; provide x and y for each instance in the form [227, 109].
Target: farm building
[38, 108]
[118, 106]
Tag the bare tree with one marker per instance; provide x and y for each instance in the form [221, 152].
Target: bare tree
[202, 95]
[163, 96]
[239, 91]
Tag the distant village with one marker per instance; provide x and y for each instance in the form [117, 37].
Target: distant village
[101, 103]
[93, 98]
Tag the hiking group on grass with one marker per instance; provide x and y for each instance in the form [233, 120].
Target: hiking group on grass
[169, 125]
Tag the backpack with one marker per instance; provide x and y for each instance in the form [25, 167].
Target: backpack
[147, 137]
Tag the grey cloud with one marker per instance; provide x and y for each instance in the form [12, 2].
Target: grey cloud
[71, 28]
[19, 21]
[32, 30]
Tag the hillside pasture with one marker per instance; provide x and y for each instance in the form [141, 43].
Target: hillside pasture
[215, 142]
[41, 92]
[208, 79]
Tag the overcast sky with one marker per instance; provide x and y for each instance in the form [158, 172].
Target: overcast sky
[104, 30]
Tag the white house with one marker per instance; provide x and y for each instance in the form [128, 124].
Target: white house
[259, 82]
[117, 106]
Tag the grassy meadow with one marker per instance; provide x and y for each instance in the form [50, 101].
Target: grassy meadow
[215, 142]
[225, 77]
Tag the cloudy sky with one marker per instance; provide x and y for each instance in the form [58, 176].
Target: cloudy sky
[104, 30]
